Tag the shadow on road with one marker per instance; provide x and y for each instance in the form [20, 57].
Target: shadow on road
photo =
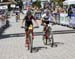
[2, 29]
[36, 49]
[55, 44]
[36, 34]
[12, 35]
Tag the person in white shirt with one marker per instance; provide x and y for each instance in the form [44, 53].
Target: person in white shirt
[46, 18]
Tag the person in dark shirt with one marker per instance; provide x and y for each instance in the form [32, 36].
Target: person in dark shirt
[70, 12]
[28, 21]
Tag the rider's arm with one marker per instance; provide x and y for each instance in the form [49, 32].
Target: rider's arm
[22, 21]
[35, 20]
[42, 18]
[53, 19]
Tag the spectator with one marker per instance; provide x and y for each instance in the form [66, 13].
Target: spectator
[70, 12]
[56, 14]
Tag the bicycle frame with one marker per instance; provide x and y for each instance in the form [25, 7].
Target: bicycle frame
[45, 36]
[47, 33]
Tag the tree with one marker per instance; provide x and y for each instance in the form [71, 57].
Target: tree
[59, 2]
[37, 3]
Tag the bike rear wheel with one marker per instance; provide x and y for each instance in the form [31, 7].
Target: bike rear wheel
[46, 36]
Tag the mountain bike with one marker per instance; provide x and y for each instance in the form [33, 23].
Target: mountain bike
[48, 35]
[30, 38]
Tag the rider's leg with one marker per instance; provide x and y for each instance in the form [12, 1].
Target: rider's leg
[27, 39]
[32, 35]
[45, 27]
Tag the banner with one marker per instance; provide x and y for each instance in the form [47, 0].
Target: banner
[72, 21]
[64, 19]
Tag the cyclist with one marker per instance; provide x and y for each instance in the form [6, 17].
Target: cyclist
[46, 18]
[28, 20]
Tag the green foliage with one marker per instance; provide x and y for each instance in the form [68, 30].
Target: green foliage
[37, 3]
[59, 2]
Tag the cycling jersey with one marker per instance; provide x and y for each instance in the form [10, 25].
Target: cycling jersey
[28, 21]
[46, 18]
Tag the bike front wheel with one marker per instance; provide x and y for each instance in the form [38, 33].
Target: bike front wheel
[31, 42]
[44, 39]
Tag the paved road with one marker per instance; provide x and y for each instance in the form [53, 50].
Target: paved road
[12, 44]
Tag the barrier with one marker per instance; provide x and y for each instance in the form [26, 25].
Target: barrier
[64, 19]
[37, 15]
[72, 20]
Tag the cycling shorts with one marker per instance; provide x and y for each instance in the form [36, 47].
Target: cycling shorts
[47, 22]
[27, 24]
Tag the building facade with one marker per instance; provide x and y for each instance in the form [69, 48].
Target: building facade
[35, 0]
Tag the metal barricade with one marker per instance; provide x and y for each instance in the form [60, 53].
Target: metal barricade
[72, 20]
[64, 19]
